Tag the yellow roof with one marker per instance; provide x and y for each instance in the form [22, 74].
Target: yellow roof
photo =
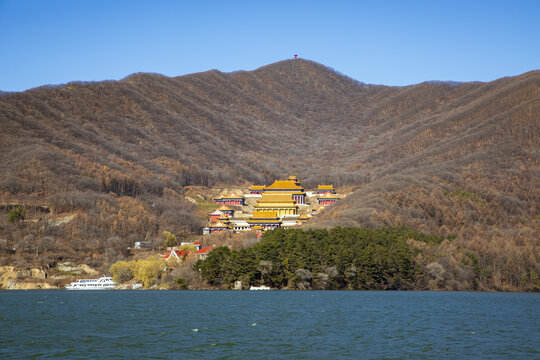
[293, 177]
[284, 185]
[257, 227]
[264, 214]
[224, 207]
[232, 196]
[276, 198]
[218, 224]
[303, 217]
[285, 192]
[325, 187]
[223, 217]
[257, 187]
[266, 221]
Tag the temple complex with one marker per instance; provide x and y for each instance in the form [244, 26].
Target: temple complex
[282, 204]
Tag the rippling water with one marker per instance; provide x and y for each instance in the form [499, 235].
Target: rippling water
[268, 324]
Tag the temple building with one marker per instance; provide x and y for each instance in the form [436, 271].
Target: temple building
[327, 199]
[281, 204]
[224, 219]
[295, 180]
[288, 187]
[257, 189]
[215, 215]
[230, 199]
[218, 226]
[265, 219]
[303, 218]
[226, 210]
[239, 225]
[325, 189]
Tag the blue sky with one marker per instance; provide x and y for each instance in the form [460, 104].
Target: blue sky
[380, 42]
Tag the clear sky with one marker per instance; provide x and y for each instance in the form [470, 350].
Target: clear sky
[379, 41]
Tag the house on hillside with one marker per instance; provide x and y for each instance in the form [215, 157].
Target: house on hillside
[177, 255]
[201, 253]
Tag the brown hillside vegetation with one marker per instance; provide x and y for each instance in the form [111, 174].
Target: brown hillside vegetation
[455, 160]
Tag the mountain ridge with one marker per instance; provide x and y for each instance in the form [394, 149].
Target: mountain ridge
[448, 159]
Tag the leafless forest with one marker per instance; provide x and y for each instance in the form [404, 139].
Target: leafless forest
[460, 161]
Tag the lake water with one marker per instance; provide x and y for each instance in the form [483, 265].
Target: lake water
[268, 325]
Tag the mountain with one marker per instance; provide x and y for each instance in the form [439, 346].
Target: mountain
[457, 160]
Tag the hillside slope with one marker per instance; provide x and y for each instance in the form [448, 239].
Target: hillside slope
[455, 160]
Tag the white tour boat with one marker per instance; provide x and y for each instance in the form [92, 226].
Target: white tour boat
[103, 283]
[262, 287]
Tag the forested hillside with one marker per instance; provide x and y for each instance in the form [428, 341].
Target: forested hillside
[459, 161]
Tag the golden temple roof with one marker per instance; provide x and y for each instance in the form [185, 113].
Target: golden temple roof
[303, 217]
[224, 207]
[219, 224]
[232, 196]
[276, 198]
[258, 187]
[325, 187]
[284, 185]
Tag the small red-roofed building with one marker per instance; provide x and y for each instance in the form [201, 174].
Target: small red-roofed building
[177, 255]
[201, 253]
[198, 245]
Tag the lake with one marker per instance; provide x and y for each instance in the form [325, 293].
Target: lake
[268, 325]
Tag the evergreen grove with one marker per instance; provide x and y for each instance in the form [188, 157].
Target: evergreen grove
[340, 258]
